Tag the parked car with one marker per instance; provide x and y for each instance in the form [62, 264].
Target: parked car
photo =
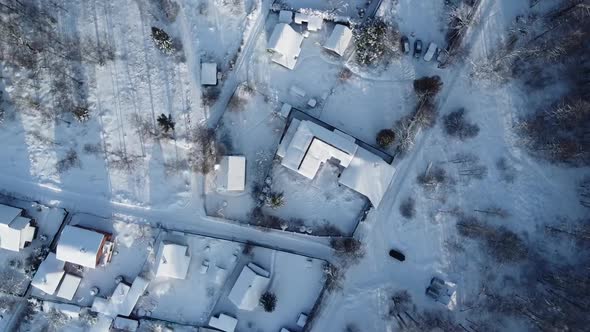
[417, 48]
[405, 44]
[397, 255]
[442, 56]
[430, 52]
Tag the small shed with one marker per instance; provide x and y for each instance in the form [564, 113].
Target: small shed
[49, 274]
[223, 322]
[250, 285]
[208, 73]
[285, 45]
[302, 320]
[339, 39]
[174, 261]
[314, 22]
[69, 286]
[231, 174]
[80, 246]
[16, 231]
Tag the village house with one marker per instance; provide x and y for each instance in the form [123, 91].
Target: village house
[85, 247]
[16, 230]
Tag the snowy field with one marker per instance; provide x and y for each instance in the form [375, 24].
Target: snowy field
[190, 301]
[17, 268]
[295, 280]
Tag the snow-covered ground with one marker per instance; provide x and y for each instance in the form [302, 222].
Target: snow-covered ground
[190, 301]
[18, 267]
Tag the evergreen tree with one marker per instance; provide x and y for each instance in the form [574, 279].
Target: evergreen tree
[162, 41]
[165, 122]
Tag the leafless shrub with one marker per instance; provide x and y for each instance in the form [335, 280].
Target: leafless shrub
[584, 192]
[345, 74]
[121, 160]
[469, 166]
[334, 277]
[328, 229]
[560, 133]
[459, 20]
[69, 161]
[170, 9]
[433, 177]
[456, 125]
[385, 137]
[576, 229]
[90, 148]
[401, 301]
[348, 248]
[507, 171]
[81, 113]
[351, 327]
[210, 95]
[426, 113]
[175, 166]
[205, 151]
[427, 86]
[97, 51]
[494, 211]
[407, 208]
[500, 243]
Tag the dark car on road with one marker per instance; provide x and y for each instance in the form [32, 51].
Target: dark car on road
[405, 44]
[397, 255]
[417, 48]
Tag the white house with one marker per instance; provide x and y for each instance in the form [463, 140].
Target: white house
[123, 299]
[314, 22]
[49, 274]
[174, 261]
[307, 145]
[69, 286]
[208, 73]
[15, 230]
[231, 173]
[339, 39]
[285, 45]
[250, 285]
[223, 323]
[125, 324]
[82, 246]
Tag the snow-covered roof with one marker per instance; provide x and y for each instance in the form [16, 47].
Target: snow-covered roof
[123, 300]
[16, 233]
[314, 22]
[369, 175]
[125, 324]
[79, 246]
[232, 173]
[302, 320]
[339, 39]
[223, 322]
[249, 286]
[69, 286]
[174, 261]
[313, 145]
[208, 73]
[286, 16]
[285, 43]
[8, 213]
[306, 145]
[49, 274]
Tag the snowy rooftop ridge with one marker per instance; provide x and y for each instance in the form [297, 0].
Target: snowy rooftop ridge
[49, 274]
[307, 146]
[79, 246]
[339, 39]
[249, 286]
[174, 261]
[285, 44]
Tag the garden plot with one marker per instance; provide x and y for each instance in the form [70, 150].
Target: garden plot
[295, 280]
[321, 206]
[133, 243]
[191, 300]
[17, 268]
[251, 128]
[316, 71]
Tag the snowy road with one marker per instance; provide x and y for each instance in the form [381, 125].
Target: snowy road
[176, 220]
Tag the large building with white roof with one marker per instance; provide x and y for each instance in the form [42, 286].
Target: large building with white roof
[306, 146]
[16, 231]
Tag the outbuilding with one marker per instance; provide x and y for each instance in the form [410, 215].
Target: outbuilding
[69, 286]
[231, 174]
[223, 322]
[285, 45]
[49, 274]
[339, 39]
[16, 231]
[83, 246]
[208, 73]
[174, 261]
[250, 285]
